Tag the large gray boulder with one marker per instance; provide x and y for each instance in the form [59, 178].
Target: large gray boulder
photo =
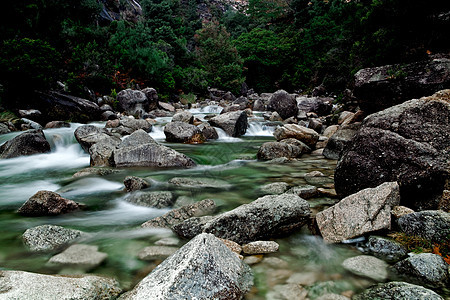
[272, 150]
[47, 238]
[367, 266]
[338, 141]
[284, 104]
[158, 199]
[425, 269]
[382, 87]
[152, 97]
[27, 143]
[47, 203]
[25, 285]
[208, 131]
[266, 217]
[133, 102]
[398, 291]
[204, 268]
[408, 143]
[367, 211]
[301, 133]
[140, 150]
[184, 116]
[128, 125]
[80, 256]
[233, 123]
[433, 225]
[181, 132]
[88, 135]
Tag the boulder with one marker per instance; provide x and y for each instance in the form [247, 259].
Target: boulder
[199, 183]
[433, 225]
[258, 105]
[132, 102]
[260, 247]
[140, 150]
[152, 199]
[338, 141]
[133, 183]
[94, 172]
[80, 256]
[233, 123]
[31, 124]
[88, 135]
[4, 128]
[181, 214]
[275, 188]
[386, 249]
[272, 150]
[304, 191]
[382, 87]
[367, 211]
[108, 115]
[47, 238]
[32, 114]
[25, 285]
[57, 106]
[156, 252]
[181, 132]
[367, 266]
[184, 116]
[284, 104]
[46, 203]
[57, 124]
[101, 153]
[152, 98]
[408, 143]
[27, 143]
[301, 133]
[166, 106]
[208, 131]
[322, 106]
[204, 268]
[425, 269]
[397, 290]
[266, 217]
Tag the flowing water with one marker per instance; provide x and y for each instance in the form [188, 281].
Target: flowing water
[114, 223]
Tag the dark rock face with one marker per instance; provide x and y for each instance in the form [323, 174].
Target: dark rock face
[88, 135]
[382, 87]
[152, 97]
[338, 141]
[425, 269]
[57, 124]
[181, 132]
[284, 104]
[266, 217]
[46, 203]
[133, 102]
[183, 116]
[56, 106]
[27, 143]
[408, 143]
[433, 225]
[133, 183]
[398, 290]
[152, 199]
[203, 269]
[208, 131]
[318, 105]
[233, 123]
[272, 150]
[386, 249]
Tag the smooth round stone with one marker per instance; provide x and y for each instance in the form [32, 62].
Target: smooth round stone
[367, 266]
[260, 247]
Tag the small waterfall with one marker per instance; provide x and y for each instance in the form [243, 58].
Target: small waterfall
[157, 132]
[259, 129]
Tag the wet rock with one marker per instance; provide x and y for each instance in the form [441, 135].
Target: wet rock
[95, 172]
[301, 133]
[338, 141]
[140, 150]
[367, 266]
[166, 106]
[258, 105]
[101, 153]
[88, 135]
[133, 183]
[4, 128]
[47, 238]
[303, 147]
[260, 247]
[108, 115]
[345, 117]
[79, 256]
[275, 188]
[32, 114]
[330, 130]
[233, 246]
[184, 116]
[398, 290]
[273, 150]
[304, 191]
[425, 269]
[31, 124]
[208, 131]
[433, 225]
[253, 259]
[331, 193]
[322, 106]
[25, 285]
[233, 123]
[199, 183]
[287, 292]
[27, 143]
[151, 199]
[366, 211]
[181, 214]
[152, 97]
[133, 102]
[180, 132]
[168, 241]
[266, 217]
[57, 124]
[204, 268]
[128, 125]
[385, 86]
[315, 177]
[386, 249]
[156, 252]
[332, 297]
[399, 211]
[407, 143]
[283, 103]
[46, 203]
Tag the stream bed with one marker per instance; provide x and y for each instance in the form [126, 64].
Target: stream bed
[114, 224]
